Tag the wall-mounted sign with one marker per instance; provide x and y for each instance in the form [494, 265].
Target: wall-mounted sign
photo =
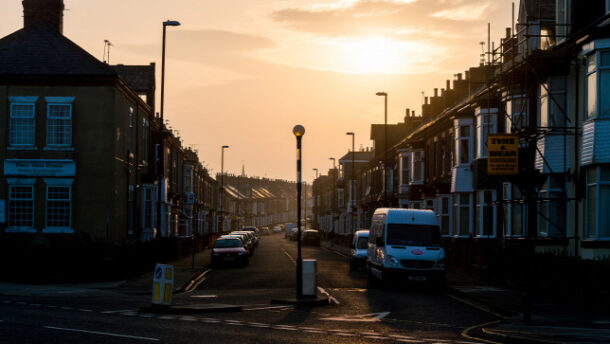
[2, 211]
[502, 154]
[40, 167]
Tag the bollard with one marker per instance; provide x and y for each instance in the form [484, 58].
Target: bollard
[163, 285]
[309, 277]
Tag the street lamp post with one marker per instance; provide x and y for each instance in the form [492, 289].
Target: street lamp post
[161, 152]
[385, 143]
[222, 191]
[351, 182]
[299, 131]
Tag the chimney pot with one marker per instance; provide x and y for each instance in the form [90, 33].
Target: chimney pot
[436, 92]
[413, 113]
[448, 85]
[508, 33]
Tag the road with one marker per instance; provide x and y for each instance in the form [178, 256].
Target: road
[358, 314]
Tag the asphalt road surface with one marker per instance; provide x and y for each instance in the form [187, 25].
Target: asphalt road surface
[358, 313]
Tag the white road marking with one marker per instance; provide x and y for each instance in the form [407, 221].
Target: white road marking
[372, 317]
[167, 317]
[344, 334]
[119, 311]
[314, 331]
[401, 336]
[188, 318]
[210, 321]
[407, 340]
[330, 297]
[265, 308]
[102, 333]
[289, 256]
[601, 322]
[147, 315]
[205, 296]
[261, 325]
[84, 310]
[67, 308]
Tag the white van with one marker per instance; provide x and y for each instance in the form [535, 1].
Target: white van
[359, 247]
[405, 243]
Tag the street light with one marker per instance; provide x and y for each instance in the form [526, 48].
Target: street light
[165, 25]
[222, 179]
[351, 182]
[161, 157]
[385, 143]
[299, 131]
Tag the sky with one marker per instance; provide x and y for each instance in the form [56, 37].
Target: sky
[243, 73]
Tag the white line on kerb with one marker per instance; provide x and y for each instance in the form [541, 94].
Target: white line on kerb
[102, 333]
[289, 256]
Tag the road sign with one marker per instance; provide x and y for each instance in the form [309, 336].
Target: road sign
[502, 154]
[163, 285]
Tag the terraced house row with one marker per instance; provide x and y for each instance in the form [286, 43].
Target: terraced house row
[84, 155]
[546, 84]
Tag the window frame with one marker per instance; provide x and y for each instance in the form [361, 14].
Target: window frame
[68, 136]
[480, 211]
[53, 182]
[486, 123]
[445, 213]
[457, 214]
[597, 184]
[27, 183]
[596, 69]
[22, 101]
[417, 161]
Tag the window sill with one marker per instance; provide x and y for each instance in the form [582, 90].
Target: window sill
[55, 230]
[595, 243]
[20, 230]
[25, 148]
[66, 149]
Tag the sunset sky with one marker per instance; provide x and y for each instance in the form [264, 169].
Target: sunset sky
[244, 72]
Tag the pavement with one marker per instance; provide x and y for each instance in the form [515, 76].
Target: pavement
[551, 322]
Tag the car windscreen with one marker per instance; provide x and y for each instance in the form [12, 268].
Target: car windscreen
[226, 243]
[363, 243]
[413, 235]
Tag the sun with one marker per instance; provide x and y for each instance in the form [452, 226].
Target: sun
[374, 55]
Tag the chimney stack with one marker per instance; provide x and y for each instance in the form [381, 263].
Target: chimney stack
[436, 92]
[508, 33]
[49, 12]
[448, 85]
[413, 113]
[459, 76]
[426, 101]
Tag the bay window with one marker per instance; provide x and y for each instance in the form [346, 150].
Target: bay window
[514, 213]
[462, 213]
[444, 214]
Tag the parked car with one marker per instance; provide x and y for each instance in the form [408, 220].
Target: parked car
[255, 232]
[229, 250]
[359, 248]
[291, 230]
[244, 240]
[265, 231]
[310, 237]
[247, 237]
[405, 243]
[277, 229]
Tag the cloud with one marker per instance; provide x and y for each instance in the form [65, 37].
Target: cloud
[370, 17]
